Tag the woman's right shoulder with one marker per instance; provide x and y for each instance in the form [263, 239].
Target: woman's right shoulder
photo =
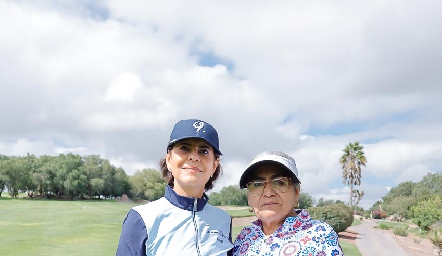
[151, 206]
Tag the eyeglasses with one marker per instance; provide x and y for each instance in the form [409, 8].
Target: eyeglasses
[256, 188]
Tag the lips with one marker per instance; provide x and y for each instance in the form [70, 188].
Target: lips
[192, 168]
[269, 203]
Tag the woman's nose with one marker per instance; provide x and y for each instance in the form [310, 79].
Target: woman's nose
[194, 155]
[268, 190]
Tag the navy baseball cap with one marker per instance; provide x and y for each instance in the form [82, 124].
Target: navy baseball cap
[277, 157]
[194, 128]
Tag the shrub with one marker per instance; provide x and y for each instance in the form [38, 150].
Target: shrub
[339, 216]
[379, 214]
[396, 217]
[399, 205]
[427, 212]
[435, 236]
[400, 231]
[366, 214]
[383, 226]
[418, 232]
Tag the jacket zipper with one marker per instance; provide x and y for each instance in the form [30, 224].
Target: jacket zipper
[195, 224]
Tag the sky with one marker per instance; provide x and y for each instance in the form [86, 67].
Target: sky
[305, 77]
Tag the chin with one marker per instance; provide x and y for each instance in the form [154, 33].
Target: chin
[268, 214]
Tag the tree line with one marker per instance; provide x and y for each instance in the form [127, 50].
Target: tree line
[420, 201]
[63, 176]
[75, 176]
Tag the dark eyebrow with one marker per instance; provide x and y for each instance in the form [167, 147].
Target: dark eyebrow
[182, 143]
[277, 175]
[203, 145]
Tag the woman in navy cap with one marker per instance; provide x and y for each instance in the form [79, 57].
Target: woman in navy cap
[273, 187]
[182, 222]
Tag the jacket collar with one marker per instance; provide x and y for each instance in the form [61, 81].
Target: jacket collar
[183, 202]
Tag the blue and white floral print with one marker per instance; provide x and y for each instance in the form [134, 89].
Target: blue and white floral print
[300, 235]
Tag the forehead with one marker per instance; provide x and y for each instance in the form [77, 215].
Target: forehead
[271, 170]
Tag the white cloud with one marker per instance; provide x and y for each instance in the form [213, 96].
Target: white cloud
[304, 77]
[62, 150]
[123, 88]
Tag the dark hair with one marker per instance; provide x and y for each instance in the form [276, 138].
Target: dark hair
[169, 177]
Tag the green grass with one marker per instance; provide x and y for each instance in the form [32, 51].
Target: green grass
[400, 231]
[240, 213]
[418, 231]
[51, 227]
[356, 222]
[388, 224]
[350, 249]
[383, 226]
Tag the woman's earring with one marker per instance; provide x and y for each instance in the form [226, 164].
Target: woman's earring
[250, 209]
[297, 205]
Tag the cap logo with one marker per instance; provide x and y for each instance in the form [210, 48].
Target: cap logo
[198, 125]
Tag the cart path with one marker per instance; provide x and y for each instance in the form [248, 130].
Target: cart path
[372, 242]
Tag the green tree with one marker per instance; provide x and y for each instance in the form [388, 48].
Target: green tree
[75, 183]
[155, 185]
[430, 184]
[230, 195]
[215, 199]
[42, 176]
[305, 201]
[92, 168]
[427, 212]
[147, 184]
[377, 206]
[121, 183]
[403, 189]
[399, 205]
[325, 202]
[62, 175]
[2, 174]
[95, 186]
[352, 161]
[16, 173]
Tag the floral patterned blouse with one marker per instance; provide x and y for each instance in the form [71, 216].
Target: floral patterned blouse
[299, 235]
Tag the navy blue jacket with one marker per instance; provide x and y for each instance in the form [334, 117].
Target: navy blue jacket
[176, 225]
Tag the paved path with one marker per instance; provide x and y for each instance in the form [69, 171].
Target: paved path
[372, 242]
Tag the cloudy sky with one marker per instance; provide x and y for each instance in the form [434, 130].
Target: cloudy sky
[306, 77]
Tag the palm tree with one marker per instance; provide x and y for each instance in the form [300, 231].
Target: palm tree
[357, 196]
[351, 161]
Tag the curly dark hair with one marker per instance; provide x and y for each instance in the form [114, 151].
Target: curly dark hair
[169, 178]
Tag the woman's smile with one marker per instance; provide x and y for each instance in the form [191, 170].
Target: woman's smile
[192, 169]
